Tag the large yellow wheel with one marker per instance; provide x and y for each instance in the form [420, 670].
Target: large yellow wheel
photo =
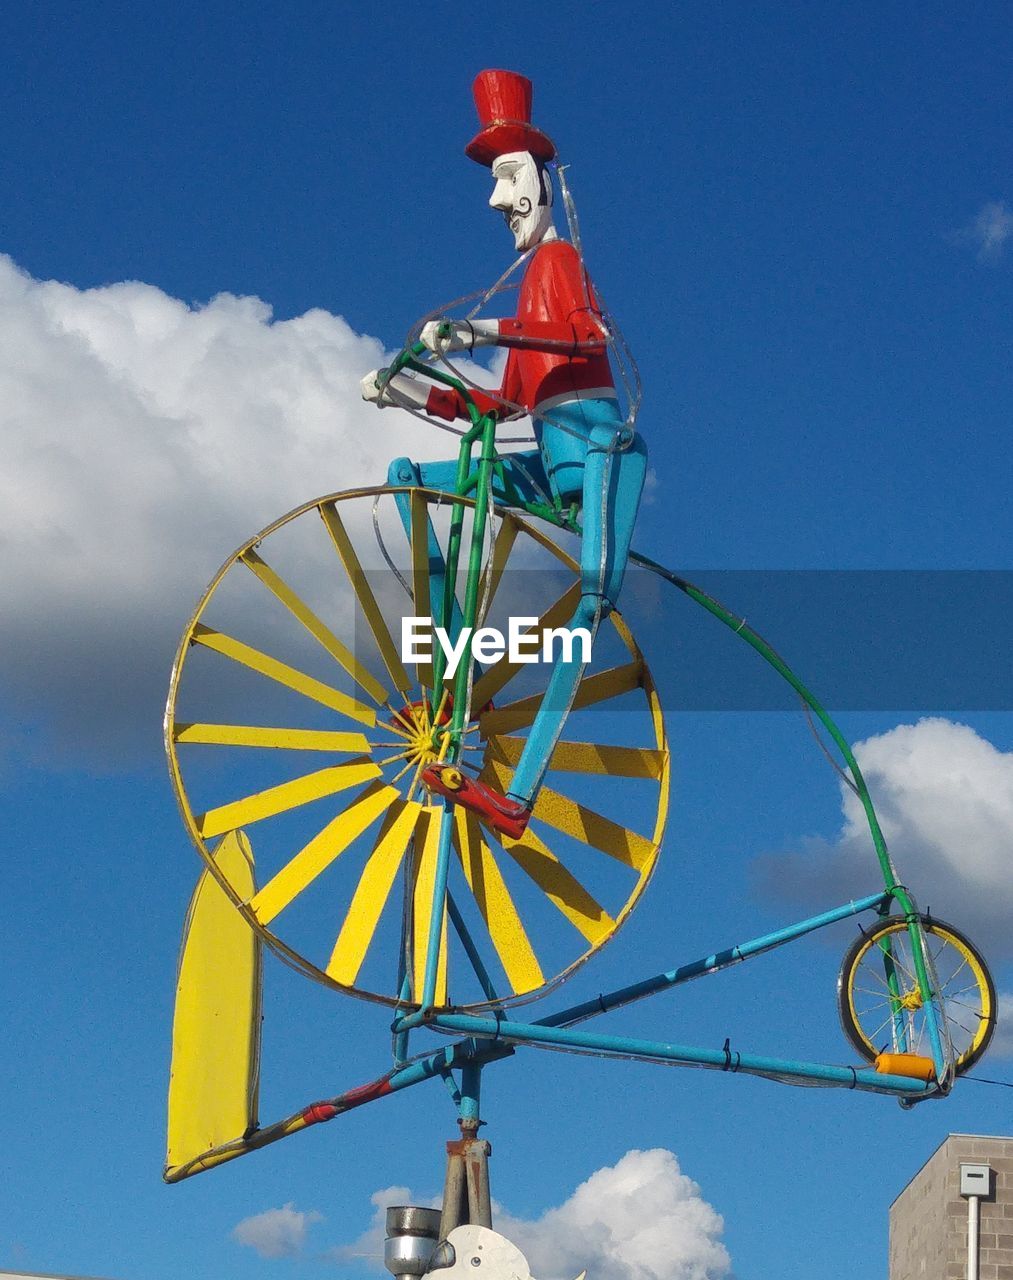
[881, 1003]
[292, 717]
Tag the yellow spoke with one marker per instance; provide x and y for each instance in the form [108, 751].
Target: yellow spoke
[248, 735]
[283, 674]
[399, 756]
[592, 689]
[317, 629]
[364, 593]
[442, 706]
[415, 780]
[322, 850]
[371, 893]
[583, 824]
[485, 880]
[406, 732]
[401, 773]
[563, 890]
[588, 757]
[427, 838]
[289, 795]
[488, 685]
[420, 574]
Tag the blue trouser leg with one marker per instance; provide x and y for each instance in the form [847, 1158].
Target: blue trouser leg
[612, 485]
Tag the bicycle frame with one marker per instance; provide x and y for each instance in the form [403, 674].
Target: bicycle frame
[493, 1035]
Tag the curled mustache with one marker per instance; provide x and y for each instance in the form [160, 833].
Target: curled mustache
[522, 208]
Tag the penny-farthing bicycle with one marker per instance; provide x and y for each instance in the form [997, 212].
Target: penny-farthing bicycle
[297, 735]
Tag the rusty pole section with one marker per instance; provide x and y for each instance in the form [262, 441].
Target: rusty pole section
[466, 1199]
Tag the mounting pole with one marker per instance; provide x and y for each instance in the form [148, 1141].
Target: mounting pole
[975, 1182]
[466, 1198]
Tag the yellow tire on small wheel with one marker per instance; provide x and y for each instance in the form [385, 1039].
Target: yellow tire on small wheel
[880, 1003]
[292, 717]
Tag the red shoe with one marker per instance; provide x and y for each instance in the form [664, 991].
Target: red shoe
[508, 817]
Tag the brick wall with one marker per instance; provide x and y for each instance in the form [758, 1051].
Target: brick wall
[928, 1220]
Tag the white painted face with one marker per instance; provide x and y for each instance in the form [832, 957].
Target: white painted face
[523, 197]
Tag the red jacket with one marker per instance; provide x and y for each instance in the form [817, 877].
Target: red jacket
[557, 347]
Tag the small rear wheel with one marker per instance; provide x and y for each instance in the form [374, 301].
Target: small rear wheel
[881, 1004]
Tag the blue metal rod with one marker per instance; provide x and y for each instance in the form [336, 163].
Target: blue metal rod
[436, 1064]
[935, 1039]
[709, 964]
[439, 907]
[401, 1035]
[471, 951]
[695, 969]
[689, 1055]
[471, 1090]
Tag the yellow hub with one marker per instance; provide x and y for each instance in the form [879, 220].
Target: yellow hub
[424, 737]
[912, 1001]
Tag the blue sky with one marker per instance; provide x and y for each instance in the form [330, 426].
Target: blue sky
[800, 218]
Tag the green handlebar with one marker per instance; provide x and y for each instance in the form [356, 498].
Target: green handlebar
[409, 358]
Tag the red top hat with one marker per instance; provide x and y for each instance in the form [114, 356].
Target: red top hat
[503, 99]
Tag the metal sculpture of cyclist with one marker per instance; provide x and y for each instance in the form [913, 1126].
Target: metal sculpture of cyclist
[557, 371]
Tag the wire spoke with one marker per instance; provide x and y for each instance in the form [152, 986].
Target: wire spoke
[421, 569]
[505, 537]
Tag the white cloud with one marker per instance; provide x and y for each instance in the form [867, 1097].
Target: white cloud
[989, 230]
[1002, 1040]
[276, 1233]
[640, 1219]
[143, 439]
[944, 796]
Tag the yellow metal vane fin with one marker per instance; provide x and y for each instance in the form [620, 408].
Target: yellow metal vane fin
[367, 601]
[289, 795]
[283, 674]
[502, 671]
[317, 629]
[588, 757]
[248, 735]
[563, 890]
[371, 893]
[580, 822]
[322, 850]
[485, 880]
[216, 1026]
[592, 689]
[427, 841]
